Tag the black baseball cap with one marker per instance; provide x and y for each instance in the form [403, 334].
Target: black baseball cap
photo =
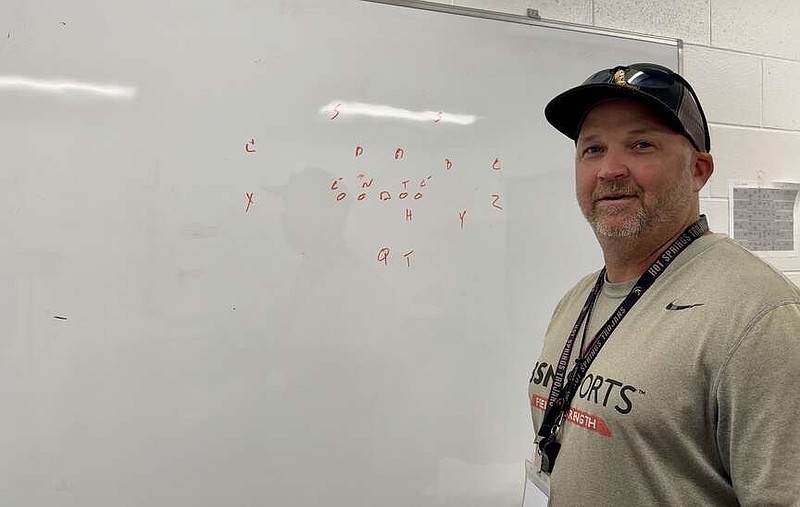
[668, 93]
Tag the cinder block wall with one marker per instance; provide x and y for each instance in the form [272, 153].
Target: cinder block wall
[742, 57]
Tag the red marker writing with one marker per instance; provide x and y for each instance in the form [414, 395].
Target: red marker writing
[496, 200]
[383, 256]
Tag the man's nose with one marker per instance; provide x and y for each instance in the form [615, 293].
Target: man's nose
[614, 165]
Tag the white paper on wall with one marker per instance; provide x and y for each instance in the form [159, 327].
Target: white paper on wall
[764, 217]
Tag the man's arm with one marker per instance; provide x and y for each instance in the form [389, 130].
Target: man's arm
[758, 417]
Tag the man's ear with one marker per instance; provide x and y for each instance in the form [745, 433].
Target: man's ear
[702, 169]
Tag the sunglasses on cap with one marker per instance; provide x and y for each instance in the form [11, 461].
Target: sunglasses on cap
[664, 90]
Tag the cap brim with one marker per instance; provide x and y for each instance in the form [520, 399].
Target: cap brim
[567, 111]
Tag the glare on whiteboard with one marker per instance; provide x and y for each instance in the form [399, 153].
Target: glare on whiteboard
[64, 87]
[341, 109]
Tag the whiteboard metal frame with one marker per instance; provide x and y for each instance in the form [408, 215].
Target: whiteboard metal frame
[526, 20]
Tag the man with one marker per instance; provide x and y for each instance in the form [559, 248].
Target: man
[671, 376]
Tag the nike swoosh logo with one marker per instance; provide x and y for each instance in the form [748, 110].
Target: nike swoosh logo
[673, 306]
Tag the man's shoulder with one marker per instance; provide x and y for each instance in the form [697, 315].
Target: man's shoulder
[736, 289]
[725, 266]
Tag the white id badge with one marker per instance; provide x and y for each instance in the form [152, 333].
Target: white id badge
[537, 484]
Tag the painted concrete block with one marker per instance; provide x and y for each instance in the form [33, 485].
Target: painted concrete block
[573, 11]
[509, 6]
[743, 153]
[681, 19]
[717, 212]
[781, 98]
[728, 84]
[767, 28]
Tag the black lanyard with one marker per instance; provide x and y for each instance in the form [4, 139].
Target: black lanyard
[561, 393]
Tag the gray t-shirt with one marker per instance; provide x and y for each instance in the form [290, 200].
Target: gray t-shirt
[694, 399]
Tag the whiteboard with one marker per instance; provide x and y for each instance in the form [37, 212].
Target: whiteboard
[198, 306]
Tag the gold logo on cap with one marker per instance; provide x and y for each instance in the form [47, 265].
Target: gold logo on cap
[619, 78]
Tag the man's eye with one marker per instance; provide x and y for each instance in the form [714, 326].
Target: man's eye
[642, 145]
[592, 150]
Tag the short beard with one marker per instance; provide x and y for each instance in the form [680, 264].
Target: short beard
[630, 227]
[665, 206]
